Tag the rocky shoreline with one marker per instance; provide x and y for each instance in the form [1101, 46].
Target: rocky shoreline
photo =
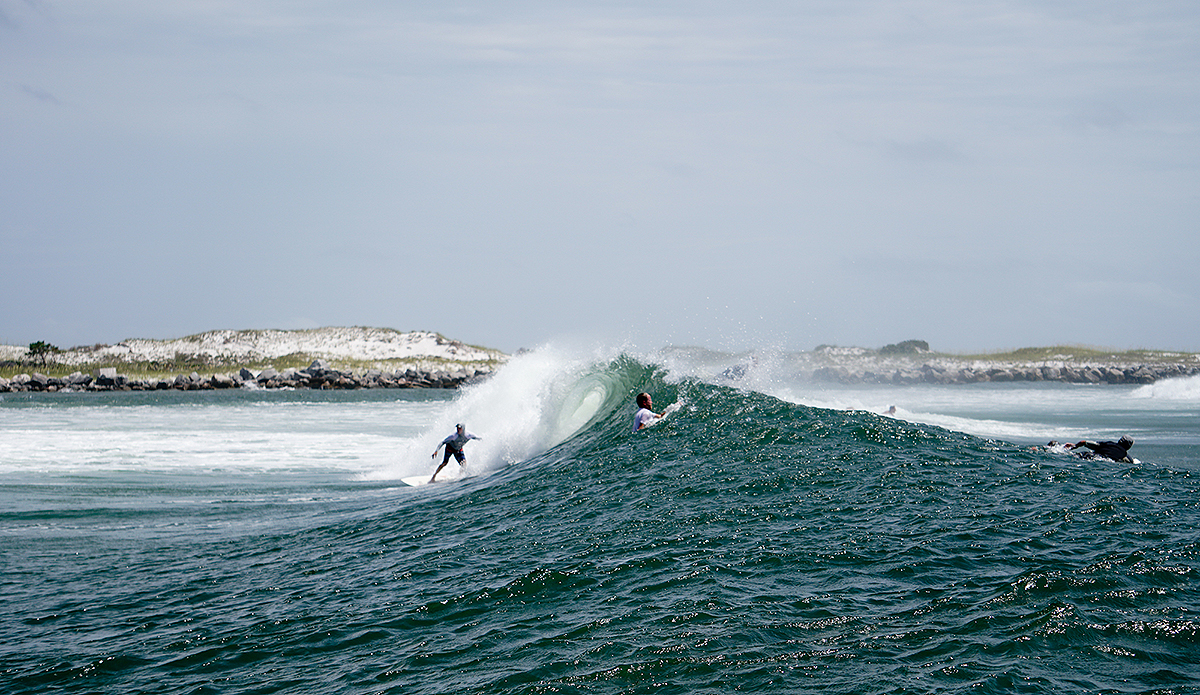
[318, 375]
[943, 373]
[393, 359]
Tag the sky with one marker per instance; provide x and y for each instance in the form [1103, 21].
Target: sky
[982, 175]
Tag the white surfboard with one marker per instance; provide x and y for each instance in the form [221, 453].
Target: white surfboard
[446, 476]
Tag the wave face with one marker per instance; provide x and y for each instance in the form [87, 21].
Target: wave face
[744, 543]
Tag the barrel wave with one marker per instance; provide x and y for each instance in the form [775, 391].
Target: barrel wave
[745, 543]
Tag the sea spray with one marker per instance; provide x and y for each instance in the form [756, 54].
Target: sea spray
[1179, 389]
[535, 402]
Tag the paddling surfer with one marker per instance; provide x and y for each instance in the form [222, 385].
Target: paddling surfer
[645, 415]
[1113, 451]
[454, 447]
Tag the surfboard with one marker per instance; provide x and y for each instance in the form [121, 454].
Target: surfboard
[444, 477]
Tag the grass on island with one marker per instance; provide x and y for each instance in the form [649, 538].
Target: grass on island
[1078, 353]
[186, 364]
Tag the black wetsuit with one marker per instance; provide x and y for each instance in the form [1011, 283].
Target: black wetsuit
[1114, 451]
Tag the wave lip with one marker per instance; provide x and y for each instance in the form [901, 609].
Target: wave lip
[535, 402]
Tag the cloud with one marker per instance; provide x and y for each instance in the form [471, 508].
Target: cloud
[39, 94]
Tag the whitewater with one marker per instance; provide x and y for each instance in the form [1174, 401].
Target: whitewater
[773, 535]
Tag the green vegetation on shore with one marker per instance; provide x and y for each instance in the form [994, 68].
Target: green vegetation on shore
[186, 364]
[1077, 353]
[194, 354]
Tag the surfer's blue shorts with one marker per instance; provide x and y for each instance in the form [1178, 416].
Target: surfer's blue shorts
[458, 455]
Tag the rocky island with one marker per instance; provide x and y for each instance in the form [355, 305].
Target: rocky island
[912, 362]
[324, 358]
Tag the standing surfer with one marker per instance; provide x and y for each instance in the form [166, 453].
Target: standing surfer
[644, 416]
[454, 447]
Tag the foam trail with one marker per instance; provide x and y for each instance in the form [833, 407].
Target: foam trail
[195, 437]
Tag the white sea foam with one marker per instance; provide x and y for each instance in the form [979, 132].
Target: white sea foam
[536, 401]
[533, 403]
[209, 438]
[1181, 389]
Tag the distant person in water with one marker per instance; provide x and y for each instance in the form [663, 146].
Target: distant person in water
[645, 415]
[1113, 451]
[891, 411]
[454, 447]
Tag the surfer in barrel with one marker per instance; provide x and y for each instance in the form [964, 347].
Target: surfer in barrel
[645, 414]
[454, 447]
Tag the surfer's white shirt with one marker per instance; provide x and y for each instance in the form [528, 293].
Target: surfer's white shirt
[643, 417]
[456, 441]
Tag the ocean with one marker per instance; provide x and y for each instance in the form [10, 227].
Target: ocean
[773, 535]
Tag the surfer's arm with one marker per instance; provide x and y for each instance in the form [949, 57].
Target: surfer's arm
[653, 415]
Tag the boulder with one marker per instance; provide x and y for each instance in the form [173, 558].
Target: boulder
[1000, 375]
[1142, 375]
[79, 379]
[106, 376]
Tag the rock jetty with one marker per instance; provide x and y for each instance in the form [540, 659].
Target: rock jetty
[318, 375]
[933, 373]
[911, 362]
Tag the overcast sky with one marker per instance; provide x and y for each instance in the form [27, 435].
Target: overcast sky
[981, 175]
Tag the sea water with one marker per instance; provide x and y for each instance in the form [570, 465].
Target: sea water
[773, 535]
